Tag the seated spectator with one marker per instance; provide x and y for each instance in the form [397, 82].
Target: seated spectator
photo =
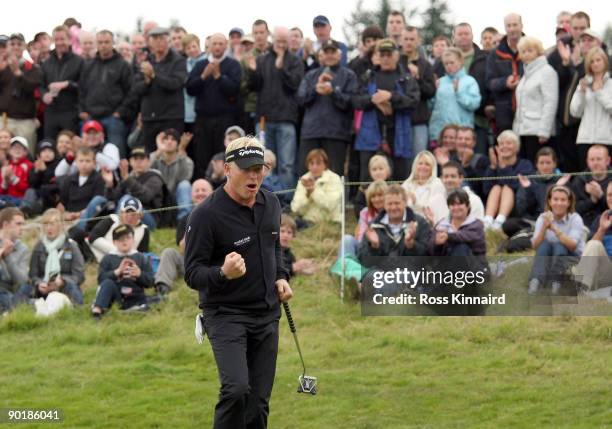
[379, 169]
[79, 189]
[457, 95]
[503, 161]
[130, 213]
[590, 189]
[319, 192]
[397, 230]
[123, 275]
[14, 176]
[57, 265]
[272, 182]
[5, 145]
[558, 240]
[175, 167]
[325, 94]
[595, 267]
[215, 172]
[445, 145]
[537, 97]
[106, 154]
[531, 194]
[375, 198]
[459, 234]
[593, 103]
[452, 178]
[43, 192]
[288, 231]
[474, 164]
[14, 258]
[142, 183]
[65, 145]
[387, 97]
[171, 262]
[423, 186]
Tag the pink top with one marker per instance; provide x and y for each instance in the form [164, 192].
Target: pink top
[364, 219]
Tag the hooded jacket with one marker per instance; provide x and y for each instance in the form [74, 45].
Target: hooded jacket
[328, 116]
[537, 96]
[147, 187]
[470, 232]
[595, 109]
[454, 107]
[104, 86]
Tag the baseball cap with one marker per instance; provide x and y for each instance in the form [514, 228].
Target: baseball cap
[45, 144]
[121, 231]
[235, 129]
[590, 33]
[159, 31]
[3, 39]
[330, 44]
[92, 125]
[247, 39]
[138, 152]
[246, 157]
[320, 20]
[131, 204]
[386, 45]
[18, 36]
[20, 140]
[236, 30]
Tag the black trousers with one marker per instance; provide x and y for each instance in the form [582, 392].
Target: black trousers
[245, 348]
[566, 147]
[530, 145]
[208, 137]
[151, 129]
[335, 150]
[55, 122]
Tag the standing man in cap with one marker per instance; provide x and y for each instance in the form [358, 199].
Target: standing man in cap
[322, 30]
[60, 86]
[326, 95]
[233, 258]
[19, 80]
[234, 49]
[215, 84]
[158, 88]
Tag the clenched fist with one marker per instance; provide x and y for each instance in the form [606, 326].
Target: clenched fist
[234, 266]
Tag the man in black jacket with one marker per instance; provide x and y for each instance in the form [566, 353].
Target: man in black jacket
[215, 83]
[157, 89]
[326, 95]
[233, 259]
[276, 77]
[590, 190]
[503, 72]
[104, 86]
[19, 78]
[60, 86]
[422, 72]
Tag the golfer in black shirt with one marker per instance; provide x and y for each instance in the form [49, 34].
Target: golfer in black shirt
[233, 258]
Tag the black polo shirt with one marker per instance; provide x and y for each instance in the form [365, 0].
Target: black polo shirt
[219, 226]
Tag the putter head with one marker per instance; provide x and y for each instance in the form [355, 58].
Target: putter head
[307, 384]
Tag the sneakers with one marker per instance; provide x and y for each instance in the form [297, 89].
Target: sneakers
[534, 285]
[138, 308]
[497, 225]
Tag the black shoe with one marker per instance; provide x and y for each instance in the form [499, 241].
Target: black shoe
[162, 288]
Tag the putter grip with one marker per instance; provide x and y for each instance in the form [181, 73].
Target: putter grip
[289, 318]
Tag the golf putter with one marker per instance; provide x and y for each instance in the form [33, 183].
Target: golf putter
[308, 384]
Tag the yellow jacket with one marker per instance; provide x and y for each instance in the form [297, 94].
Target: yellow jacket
[324, 203]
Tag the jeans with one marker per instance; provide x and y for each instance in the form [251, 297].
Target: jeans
[350, 244]
[110, 291]
[70, 289]
[420, 139]
[116, 133]
[92, 210]
[183, 199]
[171, 266]
[552, 259]
[147, 218]
[281, 139]
[9, 199]
[6, 300]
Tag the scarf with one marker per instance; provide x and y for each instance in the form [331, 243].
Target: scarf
[53, 247]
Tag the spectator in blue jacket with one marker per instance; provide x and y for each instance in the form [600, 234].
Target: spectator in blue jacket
[503, 161]
[215, 82]
[326, 95]
[457, 96]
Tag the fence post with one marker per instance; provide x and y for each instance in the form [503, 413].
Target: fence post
[342, 232]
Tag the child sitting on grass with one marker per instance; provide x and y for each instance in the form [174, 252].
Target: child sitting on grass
[288, 230]
[123, 275]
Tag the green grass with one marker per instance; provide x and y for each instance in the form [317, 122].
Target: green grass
[146, 371]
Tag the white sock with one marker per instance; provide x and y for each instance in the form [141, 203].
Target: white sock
[488, 220]
[500, 219]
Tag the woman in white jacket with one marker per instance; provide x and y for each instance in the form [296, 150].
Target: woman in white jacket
[592, 102]
[537, 96]
[425, 188]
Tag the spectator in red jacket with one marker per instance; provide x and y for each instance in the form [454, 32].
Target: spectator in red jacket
[14, 176]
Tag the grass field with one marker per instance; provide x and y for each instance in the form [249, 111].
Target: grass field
[146, 370]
